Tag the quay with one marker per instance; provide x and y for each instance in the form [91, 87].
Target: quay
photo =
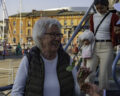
[9, 66]
[8, 69]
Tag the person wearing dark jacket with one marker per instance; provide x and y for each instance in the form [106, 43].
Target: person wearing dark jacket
[42, 71]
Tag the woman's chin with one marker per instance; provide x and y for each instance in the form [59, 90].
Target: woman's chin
[54, 48]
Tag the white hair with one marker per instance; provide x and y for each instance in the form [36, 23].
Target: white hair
[41, 27]
[87, 34]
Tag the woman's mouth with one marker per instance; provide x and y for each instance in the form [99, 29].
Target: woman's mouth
[55, 43]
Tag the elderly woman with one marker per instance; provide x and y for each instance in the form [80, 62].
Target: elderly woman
[42, 71]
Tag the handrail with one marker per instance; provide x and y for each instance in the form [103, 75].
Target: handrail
[79, 26]
[114, 66]
[4, 88]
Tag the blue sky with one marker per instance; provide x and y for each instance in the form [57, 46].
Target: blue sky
[28, 5]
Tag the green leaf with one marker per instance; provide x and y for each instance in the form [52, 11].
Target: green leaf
[73, 63]
[80, 61]
[69, 68]
[80, 74]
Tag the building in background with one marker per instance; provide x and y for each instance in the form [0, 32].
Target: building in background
[4, 31]
[112, 2]
[68, 18]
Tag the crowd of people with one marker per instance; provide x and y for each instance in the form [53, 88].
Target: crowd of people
[9, 50]
[42, 71]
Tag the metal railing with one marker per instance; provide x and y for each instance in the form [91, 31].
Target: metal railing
[114, 70]
[5, 88]
[8, 74]
[79, 27]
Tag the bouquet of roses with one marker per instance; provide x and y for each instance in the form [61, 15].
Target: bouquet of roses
[83, 72]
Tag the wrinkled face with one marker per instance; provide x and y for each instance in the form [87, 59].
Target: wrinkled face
[101, 8]
[51, 40]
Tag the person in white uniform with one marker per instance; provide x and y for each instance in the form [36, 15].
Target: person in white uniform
[106, 39]
[94, 90]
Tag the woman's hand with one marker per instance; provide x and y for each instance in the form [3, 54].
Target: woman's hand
[83, 74]
[91, 89]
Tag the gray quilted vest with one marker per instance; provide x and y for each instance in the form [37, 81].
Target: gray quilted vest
[35, 80]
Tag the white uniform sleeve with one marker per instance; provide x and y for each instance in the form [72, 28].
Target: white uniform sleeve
[20, 80]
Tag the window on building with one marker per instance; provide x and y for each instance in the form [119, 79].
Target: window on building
[1, 28]
[21, 31]
[21, 23]
[29, 32]
[14, 31]
[65, 22]
[72, 22]
[70, 31]
[65, 32]
[21, 40]
[14, 40]
[29, 23]
[14, 23]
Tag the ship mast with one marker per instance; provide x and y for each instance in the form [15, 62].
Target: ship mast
[5, 18]
[20, 2]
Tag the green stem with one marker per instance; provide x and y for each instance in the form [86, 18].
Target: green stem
[80, 74]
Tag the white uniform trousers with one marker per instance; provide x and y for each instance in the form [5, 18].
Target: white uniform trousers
[103, 56]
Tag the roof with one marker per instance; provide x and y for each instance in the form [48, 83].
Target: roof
[79, 9]
[53, 12]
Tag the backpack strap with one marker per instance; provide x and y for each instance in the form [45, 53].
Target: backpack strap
[101, 22]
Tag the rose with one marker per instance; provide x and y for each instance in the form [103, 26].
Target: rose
[82, 74]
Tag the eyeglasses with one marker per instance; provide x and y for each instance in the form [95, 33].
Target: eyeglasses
[52, 35]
